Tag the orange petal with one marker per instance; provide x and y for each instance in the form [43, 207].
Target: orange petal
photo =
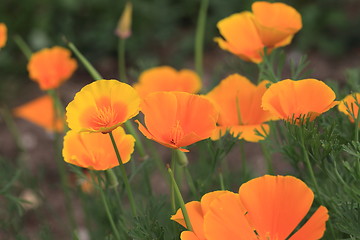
[178, 118]
[353, 108]
[276, 22]
[166, 78]
[226, 219]
[41, 112]
[314, 228]
[287, 98]
[95, 150]
[3, 35]
[102, 106]
[187, 235]
[241, 36]
[275, 204]
[50, 67]
[196, 218]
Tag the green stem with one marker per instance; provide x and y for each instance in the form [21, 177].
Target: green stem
[124, 176]
[267, 156]
[221, 179]
[181, 201]
[24, 47]
[138, 143]
[357, 122]
[10, 124]
[199, 37]
[108, 213]
[89, 67]
[191, 183]
[244, 169]
[121, 61]
[172, 187]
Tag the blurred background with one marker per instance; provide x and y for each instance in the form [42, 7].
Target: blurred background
[163, 33]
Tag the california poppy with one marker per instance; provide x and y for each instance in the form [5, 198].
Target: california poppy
[102, 106]
[196, 211]
[350, 106]
[269, 25]
[239, 104]
[95, 150]
[40, 111]
[3, 34]
[177, 119]
[166, 78]
[268, 207]
[50, 67]
[292, 100]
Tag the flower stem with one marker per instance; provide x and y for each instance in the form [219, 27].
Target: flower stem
[199, 37]
[89, 67]
[191, 183]
[181, 201]
[108, 213]
[124, 176]
[267, 156]
[24, 47]
[221, 179]
[121, 60]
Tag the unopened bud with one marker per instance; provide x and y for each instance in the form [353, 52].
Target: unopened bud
[181, 158]
[123, 29]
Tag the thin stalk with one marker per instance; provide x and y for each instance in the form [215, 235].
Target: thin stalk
[24, 47]
[124, 176]
[89, 67]
[267, 156]
[121, 60]
[180, 200]
[191, 183]
[138, 143]
[221, 180]
[244, 169]
[357, 122]
[172, 187]
[10, 124]
[199, 37]
[108, 213]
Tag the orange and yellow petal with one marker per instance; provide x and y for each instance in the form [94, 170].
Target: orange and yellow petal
[166, 78]
[240, 36]
[288, 200]
[350, 105]
[178, 118]
[226, 219]
[290, 99]
[95, 150]
[40, 112]
[102, 106]
[50, 67]
[276, 23]
[3, 35]
[314, 228]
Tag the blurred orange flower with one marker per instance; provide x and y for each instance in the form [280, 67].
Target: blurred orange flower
[102, 106]
[239, 103]
[269, 25]
[166, 78]
[40, 112]
[3, 34]
[292, 100]
[350, 106]
[95, 150]
[50, 67]
[268, 207]
[177, 119]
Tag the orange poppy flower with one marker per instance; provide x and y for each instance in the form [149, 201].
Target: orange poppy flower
[196, 211]
[95, 150]
[3, 34]
[291, 100]
[102, 106]
[166, 78]
[50, 67]
[350, 106]
[268, 207]
[269, 25]
[40, 112]
[239, 103]
[273, 206]
[177, 119]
